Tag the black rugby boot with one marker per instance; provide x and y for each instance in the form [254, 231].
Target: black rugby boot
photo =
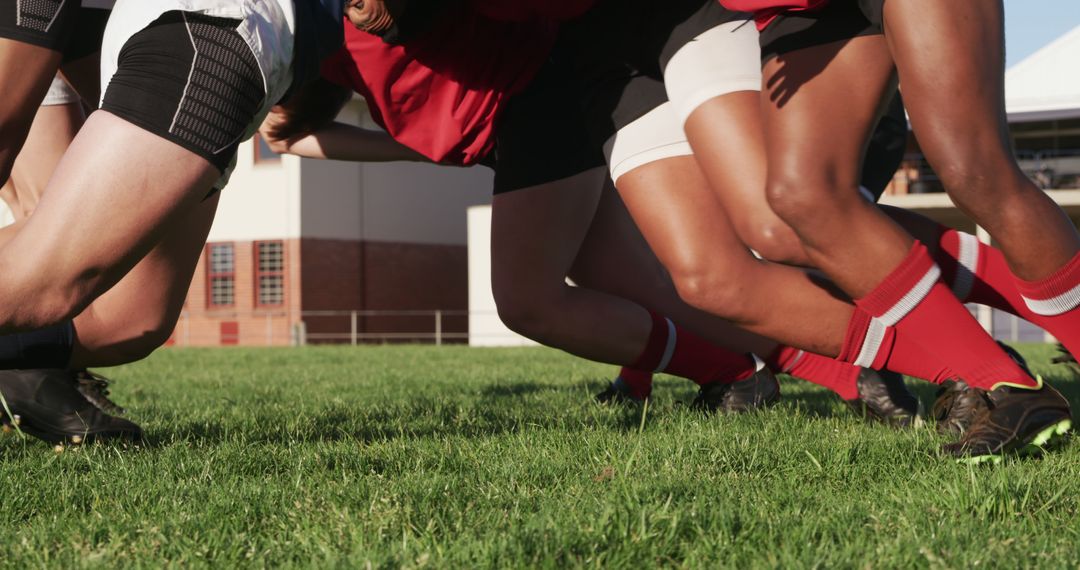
[883, 397]
[756, 392]
[63, 406]
[1014, 420]
[957, 405]
[618, 393]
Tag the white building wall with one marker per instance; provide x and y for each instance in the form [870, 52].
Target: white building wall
[403, 202]
[421, 203]
[261, 201]
[485, 328]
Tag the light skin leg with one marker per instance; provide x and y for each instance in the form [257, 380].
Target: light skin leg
[616, 259]
[686, 226]
[138, 314]
[536, 235]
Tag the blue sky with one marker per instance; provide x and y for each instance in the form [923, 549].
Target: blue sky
[1031, 24]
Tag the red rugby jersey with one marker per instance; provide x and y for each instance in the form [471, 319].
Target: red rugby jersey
[766, 10]
[440, 94]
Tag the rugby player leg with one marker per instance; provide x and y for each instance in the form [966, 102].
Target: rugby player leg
[955, 96]
[52, 270]
[974, 271]
[29, 69]
[53, 129]
[535, 235]
[139, 313]
[816, 126]
[616, 259]
[815, 131]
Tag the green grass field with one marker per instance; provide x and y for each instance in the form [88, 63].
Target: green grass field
[457, 457]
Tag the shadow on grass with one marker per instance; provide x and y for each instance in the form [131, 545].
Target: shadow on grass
[492, 413]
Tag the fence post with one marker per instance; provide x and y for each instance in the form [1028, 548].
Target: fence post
[300, 334]
[438, 328]
[352, 327]
[187, 330]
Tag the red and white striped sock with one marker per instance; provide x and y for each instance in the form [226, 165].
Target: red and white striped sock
[979, 273]
[677, 351]
[1053, 303]
[912, 324]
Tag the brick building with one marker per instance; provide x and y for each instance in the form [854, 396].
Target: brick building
[297, 244]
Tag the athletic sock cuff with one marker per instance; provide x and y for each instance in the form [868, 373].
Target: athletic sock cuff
[49, 347]
[784, 359]
[867, 342]
[958, 257]
[904, 288]
[1059, 293]
[853, 338]
[659, 348]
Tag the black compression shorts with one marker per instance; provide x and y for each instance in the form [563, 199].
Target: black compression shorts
[542, 136]
[190, 79]
[43, 23]
[619, 50]
[57, 25]
[840, 20]
[87, 35]
[606, 72]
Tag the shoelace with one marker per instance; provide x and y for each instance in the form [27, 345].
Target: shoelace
[95, 388]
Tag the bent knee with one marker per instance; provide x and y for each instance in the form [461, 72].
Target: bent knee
[112, 344]
[528, 312]
[716, 290]
[774, 241]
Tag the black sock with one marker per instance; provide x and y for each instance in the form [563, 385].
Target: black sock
[49, 347]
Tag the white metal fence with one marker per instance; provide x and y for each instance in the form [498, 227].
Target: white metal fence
[351, 327]
[356, 334]
[362, 327]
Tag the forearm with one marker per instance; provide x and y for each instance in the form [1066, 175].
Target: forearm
[339, 141]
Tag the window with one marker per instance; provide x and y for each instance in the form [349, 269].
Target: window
[263, 154]
[220, 275]
[269, 273]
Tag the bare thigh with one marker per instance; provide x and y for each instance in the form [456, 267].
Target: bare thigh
[536, 235]
[616, 259]
[686, 225]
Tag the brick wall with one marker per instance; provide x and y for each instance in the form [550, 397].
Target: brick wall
[331, 275]
[201, 325]
[347, 275]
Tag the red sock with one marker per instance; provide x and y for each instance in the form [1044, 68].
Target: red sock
[912, 324]
[675, 350]
[840, 377]
[978, 273]
[1052, 303]
[638, 382]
